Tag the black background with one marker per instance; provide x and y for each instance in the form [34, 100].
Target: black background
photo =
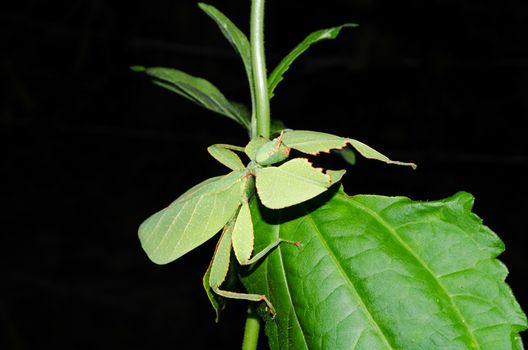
[90, 149]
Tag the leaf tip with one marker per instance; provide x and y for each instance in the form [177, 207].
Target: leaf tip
[464, 199]
[138, 68]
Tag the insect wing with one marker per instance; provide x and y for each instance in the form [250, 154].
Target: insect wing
[370, 153]
[293, 182]
[312, 142]
[191, 219]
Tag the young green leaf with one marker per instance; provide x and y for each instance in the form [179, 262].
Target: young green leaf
[199, 91]
[234, 35]
[236, 38]
[225, 156]
[293, 182]
[324, 34]
[378, 272]
[192, 219]
[314, 142]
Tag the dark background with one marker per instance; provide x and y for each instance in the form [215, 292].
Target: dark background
[90, 149]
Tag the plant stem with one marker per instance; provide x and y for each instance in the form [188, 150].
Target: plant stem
[258, 61]
[251, 332]
[263, 123]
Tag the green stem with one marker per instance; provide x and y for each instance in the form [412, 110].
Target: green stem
[261, 117]
[258, 61]
[251, 332]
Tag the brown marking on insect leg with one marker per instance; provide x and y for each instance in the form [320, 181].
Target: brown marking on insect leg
[244, 296]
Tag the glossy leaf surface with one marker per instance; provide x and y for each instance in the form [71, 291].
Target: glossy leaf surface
[323, 34]
[192, 219]
[378, 272]
[198, 90]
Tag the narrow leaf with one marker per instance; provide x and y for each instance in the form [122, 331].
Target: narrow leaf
[292, 182]
[377, 272]
[227, 157]
[198, 90]
[236, 38]
[192, 219]
[323, 34]
[231, 32]
[314, 142]
[243, 234]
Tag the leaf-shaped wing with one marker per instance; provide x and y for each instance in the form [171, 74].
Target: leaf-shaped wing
[198, 90]
[378, 272]
[192, 219]
[314, 142]
[292, 182]
[323, 34]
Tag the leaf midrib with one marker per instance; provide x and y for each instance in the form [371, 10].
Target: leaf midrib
[441, 287]
[362, 303]
[287, 284]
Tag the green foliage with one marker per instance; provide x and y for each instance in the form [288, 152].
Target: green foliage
[237, 39]
[323, 34]
[198, 90]
[378, 272]
[361, 272]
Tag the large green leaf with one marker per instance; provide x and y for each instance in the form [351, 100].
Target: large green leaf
[323, 34]
[378, 272]
[198, 90]
[192, 219]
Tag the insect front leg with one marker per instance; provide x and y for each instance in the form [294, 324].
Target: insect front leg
[220, 266]
[243, 237]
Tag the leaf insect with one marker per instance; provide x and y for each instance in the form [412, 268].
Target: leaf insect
[222, 202]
